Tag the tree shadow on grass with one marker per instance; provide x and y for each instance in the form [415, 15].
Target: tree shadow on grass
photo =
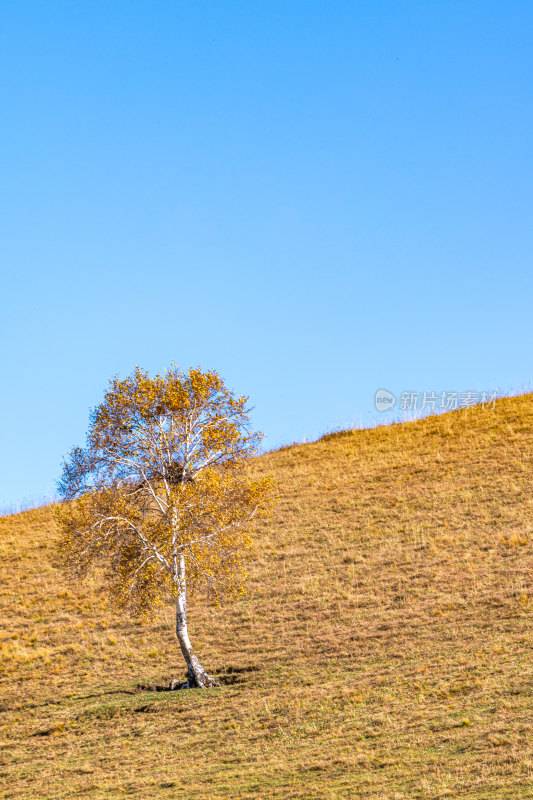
[227, 676]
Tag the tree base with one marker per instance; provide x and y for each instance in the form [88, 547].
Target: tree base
[198, 680]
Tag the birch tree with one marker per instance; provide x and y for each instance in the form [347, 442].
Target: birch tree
[161, 497]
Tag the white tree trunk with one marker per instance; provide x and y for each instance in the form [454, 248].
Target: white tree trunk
[197, 677]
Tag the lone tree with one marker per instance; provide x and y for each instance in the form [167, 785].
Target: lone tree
[161, 498]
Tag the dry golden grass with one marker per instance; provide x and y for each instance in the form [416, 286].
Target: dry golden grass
[383, 650]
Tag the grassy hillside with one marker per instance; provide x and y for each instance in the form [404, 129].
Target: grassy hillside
[383, 650]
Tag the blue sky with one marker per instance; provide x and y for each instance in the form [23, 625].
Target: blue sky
[316, 199]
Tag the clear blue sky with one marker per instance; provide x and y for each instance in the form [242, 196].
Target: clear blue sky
[317, 199]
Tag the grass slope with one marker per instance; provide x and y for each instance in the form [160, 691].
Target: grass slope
[383, 650]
